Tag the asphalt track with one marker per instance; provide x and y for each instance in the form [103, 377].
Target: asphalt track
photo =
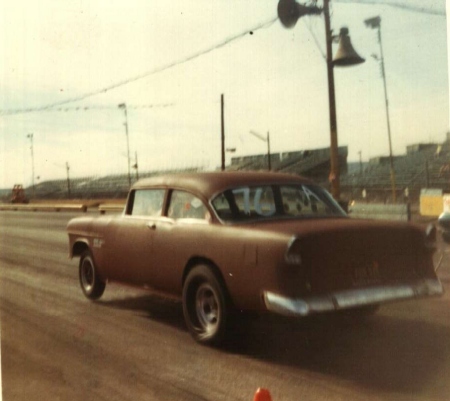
[132, 345]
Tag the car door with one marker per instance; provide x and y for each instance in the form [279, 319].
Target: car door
[177, 237]
[130, 241]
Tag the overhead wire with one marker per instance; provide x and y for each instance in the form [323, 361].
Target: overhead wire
[146, 74]
[129, 106]
[200, 53]
[316, 41]
[403, 5]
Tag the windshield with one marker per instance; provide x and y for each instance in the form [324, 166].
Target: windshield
[275, 202]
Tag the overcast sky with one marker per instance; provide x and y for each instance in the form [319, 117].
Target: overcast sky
[66, 65]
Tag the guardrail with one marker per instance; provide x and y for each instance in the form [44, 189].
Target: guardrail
[79, 207]
[45, 207]
[380, 211]
[109, 207]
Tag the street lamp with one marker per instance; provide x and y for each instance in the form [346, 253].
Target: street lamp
[67, 167]
[264, 139]
[375, 23]
[30, 136]
[124, 107]
[346, 56]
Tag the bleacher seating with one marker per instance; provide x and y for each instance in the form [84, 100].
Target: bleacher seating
[424, 165]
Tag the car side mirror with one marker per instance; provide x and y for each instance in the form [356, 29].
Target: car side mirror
[444, 224]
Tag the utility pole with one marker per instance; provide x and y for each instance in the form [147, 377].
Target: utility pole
[289, 12]
[334, 176]
[222, 130]
[124, 107]
[267, 140]
[136, 166]
[30, 136]
[68, 180]
[360, 163]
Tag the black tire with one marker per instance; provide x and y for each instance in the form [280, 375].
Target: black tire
[90, 283]
[205, 306]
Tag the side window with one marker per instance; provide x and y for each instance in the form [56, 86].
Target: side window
[184, 205]
[148, 202]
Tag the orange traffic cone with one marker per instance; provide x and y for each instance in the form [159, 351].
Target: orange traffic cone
[262, 395]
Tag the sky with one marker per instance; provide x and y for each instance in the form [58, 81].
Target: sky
[66, 66]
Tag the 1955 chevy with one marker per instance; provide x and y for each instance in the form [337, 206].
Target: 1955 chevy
[232, 242]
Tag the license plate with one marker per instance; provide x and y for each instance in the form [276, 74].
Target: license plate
[366, 275]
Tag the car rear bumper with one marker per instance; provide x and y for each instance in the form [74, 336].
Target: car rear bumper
[351, 298]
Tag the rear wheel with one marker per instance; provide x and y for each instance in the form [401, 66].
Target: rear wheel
[205, 306]
[90, 283]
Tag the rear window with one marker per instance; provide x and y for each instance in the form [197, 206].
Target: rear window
[275, 202]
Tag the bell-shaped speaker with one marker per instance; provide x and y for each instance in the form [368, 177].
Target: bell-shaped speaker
[346, 54]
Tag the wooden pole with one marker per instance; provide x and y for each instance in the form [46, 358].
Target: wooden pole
[222, 124]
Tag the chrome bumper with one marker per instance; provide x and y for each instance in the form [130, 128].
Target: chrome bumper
[350, 298]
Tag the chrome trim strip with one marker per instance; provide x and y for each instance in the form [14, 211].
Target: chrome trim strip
[350, 298]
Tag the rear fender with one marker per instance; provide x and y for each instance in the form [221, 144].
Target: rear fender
[198, 260]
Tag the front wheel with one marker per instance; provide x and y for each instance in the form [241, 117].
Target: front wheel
[205, 306]
[90, 283]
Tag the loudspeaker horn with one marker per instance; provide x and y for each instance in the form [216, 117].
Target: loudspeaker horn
[289, 11]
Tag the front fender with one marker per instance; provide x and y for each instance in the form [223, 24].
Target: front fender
[77, 247]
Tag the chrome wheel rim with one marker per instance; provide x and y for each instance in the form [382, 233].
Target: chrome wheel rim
[87, 275]
[207, 308]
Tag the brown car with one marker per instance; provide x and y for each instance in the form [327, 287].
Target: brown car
[231, 242]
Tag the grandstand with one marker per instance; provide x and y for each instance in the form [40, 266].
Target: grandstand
[110, 187]
[423, 166]
[313, 163]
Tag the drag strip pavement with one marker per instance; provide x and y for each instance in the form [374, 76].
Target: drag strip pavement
[132, 345]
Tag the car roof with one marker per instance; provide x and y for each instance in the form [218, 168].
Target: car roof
[211, 183]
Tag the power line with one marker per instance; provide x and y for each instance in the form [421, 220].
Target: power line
[193, 56]
[314, 36]
[91, 108]
[223, 43]
[402, 5]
